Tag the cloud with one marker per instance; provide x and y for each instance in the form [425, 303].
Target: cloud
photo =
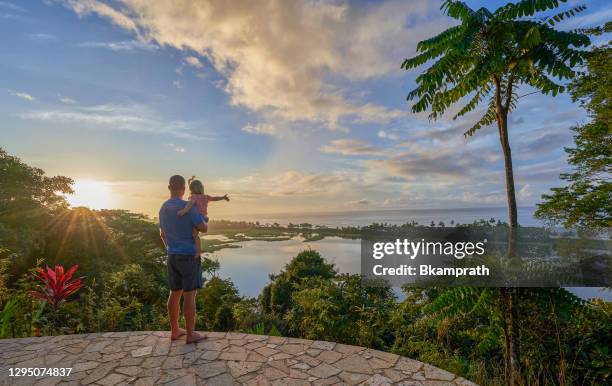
[176, 148]
[126, 45]
[496, 197]
[547, 171]
[262, 129]
[42, 36]
[11, 6]
[430, 164]
[294, 183]
[22, 95]
[14, 12]
[388, 135]
[290, 184]
[131, 118]
[286, 59]
[525, 192]
[351, 147]
[66, 100]
[540, 142]
[88, 7]
[193, 61]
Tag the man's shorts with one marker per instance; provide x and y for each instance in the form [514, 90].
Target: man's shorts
[184, 272]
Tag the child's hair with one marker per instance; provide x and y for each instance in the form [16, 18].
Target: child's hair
[196, 186]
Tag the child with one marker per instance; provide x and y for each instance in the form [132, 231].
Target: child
[198, 198]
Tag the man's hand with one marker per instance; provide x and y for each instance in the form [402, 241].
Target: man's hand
[202, 227]
[225, 197]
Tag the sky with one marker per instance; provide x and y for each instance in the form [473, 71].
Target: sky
[287, 106]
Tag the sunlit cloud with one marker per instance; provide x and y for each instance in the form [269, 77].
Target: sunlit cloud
[194, 62]
[262, 129]
[286, 78]
[88, 7]
[351, 147]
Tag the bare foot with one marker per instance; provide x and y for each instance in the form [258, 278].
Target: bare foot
[195, 337]
[180, 333]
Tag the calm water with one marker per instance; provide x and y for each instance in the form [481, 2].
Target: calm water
[249, 266]
[422, 216]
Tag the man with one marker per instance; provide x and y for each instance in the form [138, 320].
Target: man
[184, 268]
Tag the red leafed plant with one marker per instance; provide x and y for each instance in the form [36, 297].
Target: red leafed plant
[56, 285]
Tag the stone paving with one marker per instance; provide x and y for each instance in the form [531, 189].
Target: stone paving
[150, 358]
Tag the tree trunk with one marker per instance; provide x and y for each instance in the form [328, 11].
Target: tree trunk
[510, 193]
[509, 295]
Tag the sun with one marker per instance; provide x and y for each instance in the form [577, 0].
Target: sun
[91, 194]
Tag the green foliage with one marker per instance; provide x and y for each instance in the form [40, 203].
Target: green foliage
[276, 296]
[564, 340]
[215, 302]
[28, 199]
[224, 318]
[586, 200]
[8, 316]
[342, 309]
[245, 314]
[489, 54]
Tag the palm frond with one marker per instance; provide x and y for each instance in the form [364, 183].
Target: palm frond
[565, 14]
[525, 8]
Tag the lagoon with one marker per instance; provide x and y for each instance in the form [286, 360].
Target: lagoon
[250, 265]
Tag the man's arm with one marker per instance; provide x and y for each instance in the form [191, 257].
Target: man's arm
[218, 198]
[163, 238]
[197, 220]
[187, 208]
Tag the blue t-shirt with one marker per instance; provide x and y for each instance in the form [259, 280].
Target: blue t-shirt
[178, 229]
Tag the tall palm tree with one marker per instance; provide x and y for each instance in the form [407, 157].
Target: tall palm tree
[485, 58]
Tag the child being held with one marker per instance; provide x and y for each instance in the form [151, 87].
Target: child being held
[200, 200]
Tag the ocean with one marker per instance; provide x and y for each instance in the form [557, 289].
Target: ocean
[399, 216]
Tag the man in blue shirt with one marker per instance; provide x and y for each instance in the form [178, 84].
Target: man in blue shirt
[184, 267]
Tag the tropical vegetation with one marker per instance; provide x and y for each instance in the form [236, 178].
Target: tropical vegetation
[121, 287]
[586, 200]
[486, 58]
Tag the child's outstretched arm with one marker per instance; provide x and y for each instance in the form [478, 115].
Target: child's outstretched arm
[187, 208]
[218, 198]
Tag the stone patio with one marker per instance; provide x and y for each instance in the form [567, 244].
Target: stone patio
[148, 358]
